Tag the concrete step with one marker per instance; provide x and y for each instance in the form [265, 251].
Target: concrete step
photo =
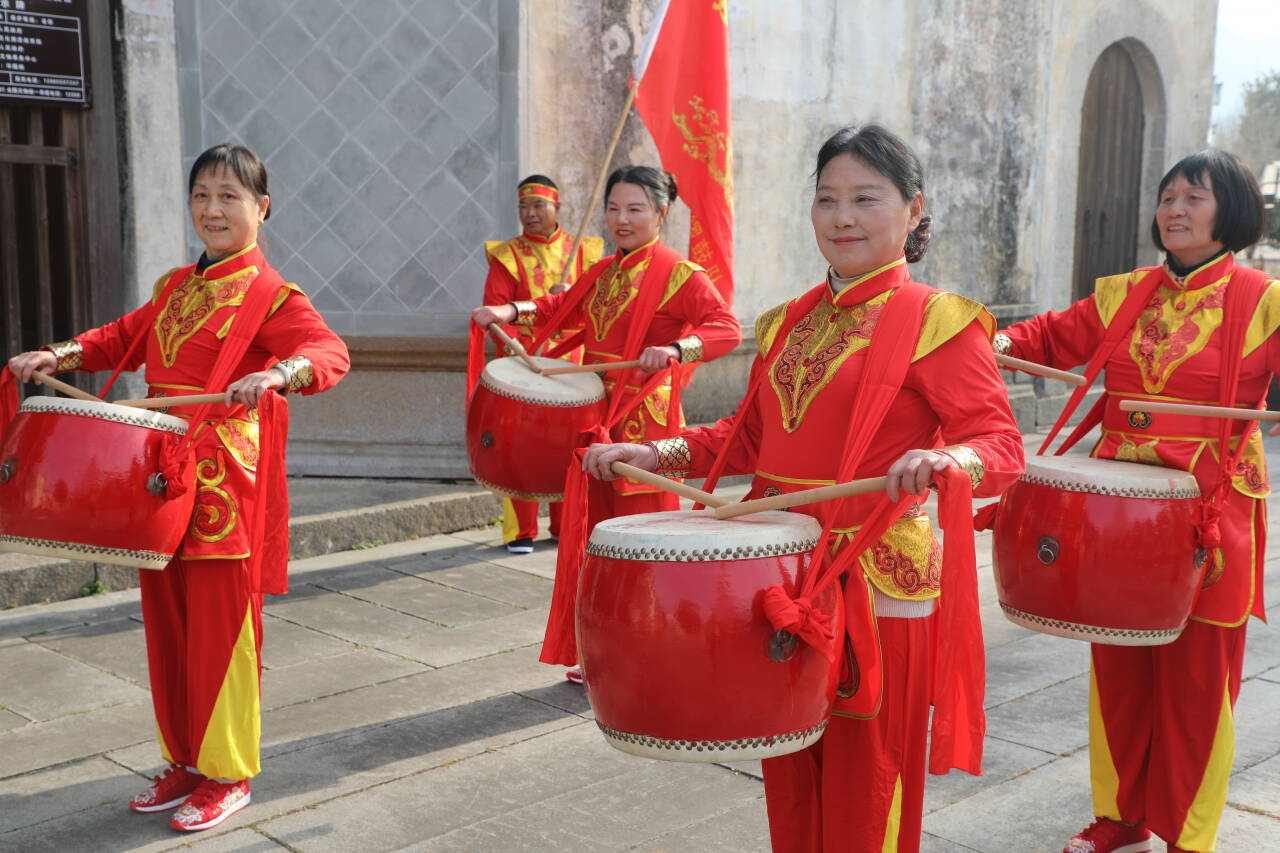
[327, 515]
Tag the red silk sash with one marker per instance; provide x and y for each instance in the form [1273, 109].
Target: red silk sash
[559, 643]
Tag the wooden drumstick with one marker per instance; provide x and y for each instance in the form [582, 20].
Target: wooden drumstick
[515, 346]
[599, 367]
[70, 390]
[661, 482]
[165, 402]
[1039, 369]
[1158, 407]
[801, 498]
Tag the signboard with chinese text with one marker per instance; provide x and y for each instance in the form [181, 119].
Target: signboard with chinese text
[44, 52]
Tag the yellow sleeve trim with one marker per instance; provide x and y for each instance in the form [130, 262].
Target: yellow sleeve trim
[500, 251]
[1109, 292]
[1266, 318]
[679, 275]
[768, 324]
[945, 315]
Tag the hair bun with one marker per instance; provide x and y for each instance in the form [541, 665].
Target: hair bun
[673, 192]
[918, 240]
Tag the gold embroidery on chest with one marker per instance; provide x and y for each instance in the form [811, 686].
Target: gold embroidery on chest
[191, 305]
[541, 263]
[1175, 325]
[815, 350]
[611, 298]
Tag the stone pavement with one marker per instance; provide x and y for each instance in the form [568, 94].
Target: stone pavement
[404, 708]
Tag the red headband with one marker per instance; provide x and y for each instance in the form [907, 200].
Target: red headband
[527, 190]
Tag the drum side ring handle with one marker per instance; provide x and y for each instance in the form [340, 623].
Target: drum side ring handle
[782, 646]
[7, 469]
[157, 484]
[1047, 550]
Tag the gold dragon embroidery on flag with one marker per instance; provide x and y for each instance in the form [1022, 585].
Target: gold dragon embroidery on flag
[708, 144]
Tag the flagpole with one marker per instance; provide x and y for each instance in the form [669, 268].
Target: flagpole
[642, 62]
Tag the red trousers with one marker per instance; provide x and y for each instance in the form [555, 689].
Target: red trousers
[204, 643]
[520, 519]
[861, 788]
[1162, 732]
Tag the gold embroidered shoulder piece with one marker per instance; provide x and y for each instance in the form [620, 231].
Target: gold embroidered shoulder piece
[680, 274]
[1110, 291]
[768, 324]
[289, 287]
[945, 315]
[1266, 319]
[160, 283]
[500, 251]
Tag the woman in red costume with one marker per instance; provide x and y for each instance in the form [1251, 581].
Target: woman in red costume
[645, 303]
[944, 415]
[1160, 717]
[203, 613]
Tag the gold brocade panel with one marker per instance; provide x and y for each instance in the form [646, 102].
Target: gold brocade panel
[906, 563]
[1174, 326]
[816, 348]
[191, 305]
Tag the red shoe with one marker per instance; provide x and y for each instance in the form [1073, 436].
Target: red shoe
[211, 804]
[574, 675]
[1110, 836]
[167, 790]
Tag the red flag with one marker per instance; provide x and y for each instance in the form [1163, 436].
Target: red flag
[682, 93]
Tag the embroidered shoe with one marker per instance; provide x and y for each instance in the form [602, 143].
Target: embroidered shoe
[210, 804]
[1110, 836]
[167, 790]
[520, 546]
[573, 675]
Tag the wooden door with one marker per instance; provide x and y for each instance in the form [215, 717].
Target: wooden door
[1107, 229]
[60, 237]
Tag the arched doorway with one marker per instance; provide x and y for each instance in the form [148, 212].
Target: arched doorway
[1108, 189]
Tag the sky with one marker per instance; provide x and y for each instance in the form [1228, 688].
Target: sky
[1248, 45]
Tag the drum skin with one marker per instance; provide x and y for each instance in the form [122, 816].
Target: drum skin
[73, 484]
[675, 657]
[1124, 572]
[519, 447]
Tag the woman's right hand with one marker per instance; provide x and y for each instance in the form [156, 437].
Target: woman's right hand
[600, 457]
[487, 315]
[27, 363]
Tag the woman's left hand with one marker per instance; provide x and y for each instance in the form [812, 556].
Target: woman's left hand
[655, 358]
[913, 472]
[250, 389]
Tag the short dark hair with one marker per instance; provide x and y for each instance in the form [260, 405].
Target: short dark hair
[240, 161]
[884, 151]
[538, 179]
[660, 186]
[1240, 219]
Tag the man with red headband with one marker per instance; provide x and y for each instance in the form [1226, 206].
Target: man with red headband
[522, 269]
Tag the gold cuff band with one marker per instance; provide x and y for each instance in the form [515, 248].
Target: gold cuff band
[968, 460]
[1002, 343]
[674, 456]
[297, 371]
[69, 354]
[690, 347]
[526, 312]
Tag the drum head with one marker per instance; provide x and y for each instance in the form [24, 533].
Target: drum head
[689, 536]
[1110, 477]
[510, 377]
[105, 412]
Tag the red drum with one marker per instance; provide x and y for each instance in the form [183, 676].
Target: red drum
[522, 428]
[679, 660]
[76, 481]
[1099, 550]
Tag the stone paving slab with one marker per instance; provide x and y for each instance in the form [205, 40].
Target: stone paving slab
[41, 684]
[115, 646]
[1053, 719]
[344, 617]
[38, 745]
[416, 596]
[314, 679]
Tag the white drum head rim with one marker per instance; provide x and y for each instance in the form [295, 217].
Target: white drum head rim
[511, 378]
[1091, 633]
[697, 536]
[1110, 477]
[85, 552]
[104, 412]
